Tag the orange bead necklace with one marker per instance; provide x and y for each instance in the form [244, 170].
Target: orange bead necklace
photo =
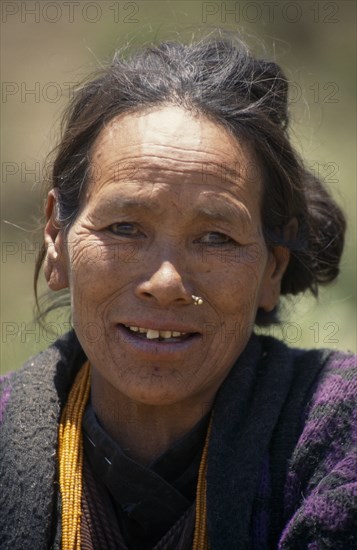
[70, 451]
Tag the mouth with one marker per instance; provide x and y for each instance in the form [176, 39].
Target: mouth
[159, 341]
[164, 336]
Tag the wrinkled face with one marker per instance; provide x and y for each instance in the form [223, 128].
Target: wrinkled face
[166, 217]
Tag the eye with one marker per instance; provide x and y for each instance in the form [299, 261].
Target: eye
[124, 229]
[216, 238]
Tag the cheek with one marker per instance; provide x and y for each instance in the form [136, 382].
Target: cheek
[91, 277]
[241, 280]
[102, 276]
[100, 265]
[239, 303]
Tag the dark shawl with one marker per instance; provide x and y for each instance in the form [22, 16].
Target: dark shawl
[258, 417]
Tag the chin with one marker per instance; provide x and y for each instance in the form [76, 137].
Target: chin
[154, 391]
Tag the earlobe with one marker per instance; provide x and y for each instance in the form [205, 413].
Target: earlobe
[276, 266]
[55, 265]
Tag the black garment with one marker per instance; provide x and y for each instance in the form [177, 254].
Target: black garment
[147, 500]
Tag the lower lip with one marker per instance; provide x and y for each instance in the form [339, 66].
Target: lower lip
[156, 347]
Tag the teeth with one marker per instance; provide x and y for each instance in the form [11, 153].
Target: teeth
[152, 333]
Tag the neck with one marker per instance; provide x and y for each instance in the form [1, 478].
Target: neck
[143, 431]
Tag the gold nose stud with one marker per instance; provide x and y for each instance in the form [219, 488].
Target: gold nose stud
[197, 300]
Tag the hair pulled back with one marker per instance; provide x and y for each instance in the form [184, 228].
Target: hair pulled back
[221, 79]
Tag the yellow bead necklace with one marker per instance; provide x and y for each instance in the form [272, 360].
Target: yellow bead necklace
[70, 450]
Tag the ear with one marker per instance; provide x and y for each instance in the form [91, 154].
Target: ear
[277, 263]
[55, 264]
[270, 290]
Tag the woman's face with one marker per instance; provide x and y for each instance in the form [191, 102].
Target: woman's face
[172, 210]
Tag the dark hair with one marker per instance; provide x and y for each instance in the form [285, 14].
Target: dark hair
[221, 79]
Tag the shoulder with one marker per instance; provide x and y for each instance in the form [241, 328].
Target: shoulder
[319, 377]
[5, 392]
[32, 399]
[321, 488]
[329, 416]
[52, 370]
[330, 423]
[338, 381]
[333, 383]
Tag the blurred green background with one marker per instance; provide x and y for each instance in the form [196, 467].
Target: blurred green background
[48, 47]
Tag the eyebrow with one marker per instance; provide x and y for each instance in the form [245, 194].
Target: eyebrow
[219, 210]
[132, 203]
[224, 212]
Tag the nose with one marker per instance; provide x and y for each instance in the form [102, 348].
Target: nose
[164, 287]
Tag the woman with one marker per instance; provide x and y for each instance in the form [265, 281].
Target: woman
[178, 214]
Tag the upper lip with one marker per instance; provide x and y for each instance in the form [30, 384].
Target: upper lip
[160, 326]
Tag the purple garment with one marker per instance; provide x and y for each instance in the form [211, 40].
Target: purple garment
[321, 487]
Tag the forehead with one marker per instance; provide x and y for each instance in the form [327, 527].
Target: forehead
[173, 146]
[172, 127]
